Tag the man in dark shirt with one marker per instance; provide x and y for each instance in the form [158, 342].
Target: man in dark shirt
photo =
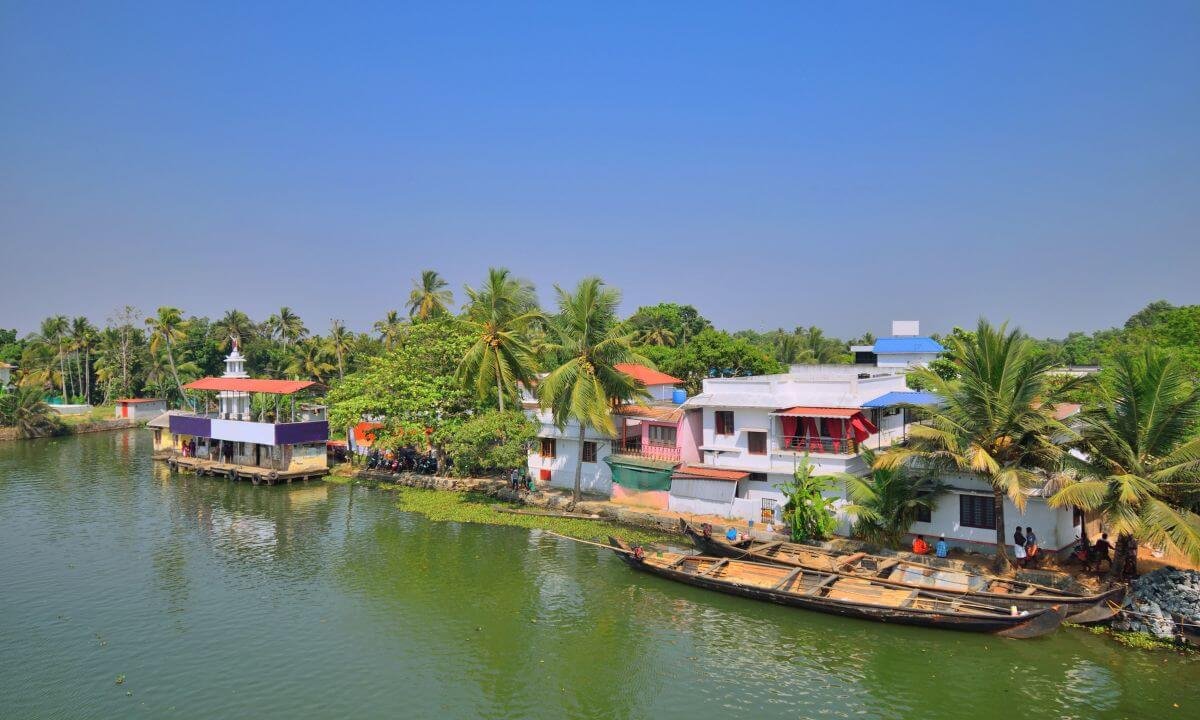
[1101, 551]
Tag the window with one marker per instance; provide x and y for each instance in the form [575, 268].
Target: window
[548, 448]
[757, 443]
[724, 419]
[757, 477]
[976, 511]
[589, 451]
[663, 435]
[924, 514]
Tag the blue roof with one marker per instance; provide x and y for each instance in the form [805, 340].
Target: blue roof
[887, 346]
[901, 397]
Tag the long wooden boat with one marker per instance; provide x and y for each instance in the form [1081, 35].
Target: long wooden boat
[981, 588]
[838, 594]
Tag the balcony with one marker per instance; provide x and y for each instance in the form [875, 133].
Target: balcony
[633, 447]
[818, 444]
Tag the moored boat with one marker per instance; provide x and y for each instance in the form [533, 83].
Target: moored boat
[838, 594]
[979, 587]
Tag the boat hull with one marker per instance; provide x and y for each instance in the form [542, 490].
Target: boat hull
[1032, 624]
[1078, 609]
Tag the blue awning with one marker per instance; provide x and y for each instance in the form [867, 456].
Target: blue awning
[899, 397]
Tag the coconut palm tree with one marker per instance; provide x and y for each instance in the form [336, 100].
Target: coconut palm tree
[390, 328]
[886, 502]
[310, 359]
[1142, 456]
[287, 326]
[83, 338]
[25, 410]
[167, 327]
[500, 359]
[996, 421]
[340, 341]
[234, 324]
[53, 333]
[587, 384]
[657, 334]
[429, 297]
[39, 366]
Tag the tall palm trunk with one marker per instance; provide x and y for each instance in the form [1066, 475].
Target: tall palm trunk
[1001, 561]
[1120, 554]
[62, 372]
[174, 373]
[87, 373]
[499, 391]
[578, 466]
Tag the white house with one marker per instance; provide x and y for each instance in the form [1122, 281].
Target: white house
[755, 431]
[645, 446]
[139, 408]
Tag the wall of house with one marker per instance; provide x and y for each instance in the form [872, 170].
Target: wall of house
[1054, 527]
[306, 456]
[654, 499]
[142, 410]
[702, 497]
[900, 360]
[660, 392]
[595, 478]
[165, 440]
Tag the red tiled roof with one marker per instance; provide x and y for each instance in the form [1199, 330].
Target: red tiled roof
[709, 473]
[831, 412]
[647, 376]
[129, 401]
[273, 387]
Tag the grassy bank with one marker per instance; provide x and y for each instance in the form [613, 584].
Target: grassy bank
[471, 507]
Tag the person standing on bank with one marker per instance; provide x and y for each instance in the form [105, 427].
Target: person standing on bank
[1019, 546]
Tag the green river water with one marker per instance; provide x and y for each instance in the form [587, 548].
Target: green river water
[222, 600]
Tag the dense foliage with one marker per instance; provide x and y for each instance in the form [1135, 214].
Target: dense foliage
[807, 512]
[489, 443]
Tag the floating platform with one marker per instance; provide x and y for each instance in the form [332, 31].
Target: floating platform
[256, 475]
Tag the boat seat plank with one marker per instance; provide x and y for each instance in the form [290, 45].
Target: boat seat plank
[1029, 590]
[787, 579]
[765, 547]
[714, 567]
[816, 589]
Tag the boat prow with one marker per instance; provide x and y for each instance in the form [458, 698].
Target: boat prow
[1041, 622]
[1106, 608]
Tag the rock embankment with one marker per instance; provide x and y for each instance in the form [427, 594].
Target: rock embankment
[1159, 601]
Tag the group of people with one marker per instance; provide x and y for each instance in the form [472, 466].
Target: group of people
[1091, 555]
[1025, 547]
[520, 479]
[920, 547]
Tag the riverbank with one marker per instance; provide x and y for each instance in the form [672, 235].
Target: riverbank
[71, 426]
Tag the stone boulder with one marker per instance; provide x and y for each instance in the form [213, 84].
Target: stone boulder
[1159, 601]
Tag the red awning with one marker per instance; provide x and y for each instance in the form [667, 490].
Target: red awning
[862, 427]
[273, 387]
[823, 412]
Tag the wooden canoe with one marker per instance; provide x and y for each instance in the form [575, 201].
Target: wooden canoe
[981, 588]
[838, 594]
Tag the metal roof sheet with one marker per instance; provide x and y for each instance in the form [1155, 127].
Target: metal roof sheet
[273, 387]
[910, 397]
[887, 346]
[647, 376]
[699, 472]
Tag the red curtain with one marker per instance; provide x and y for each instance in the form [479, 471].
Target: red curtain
[790, 424]
[814, 442]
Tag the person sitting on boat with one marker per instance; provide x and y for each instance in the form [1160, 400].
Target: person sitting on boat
[1019, 546]
[919, 546]
[731, 534]
[942, 549]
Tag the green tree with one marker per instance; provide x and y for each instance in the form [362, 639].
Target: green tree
[667, 324]
[234, 324]
[430, 296]
[714, 353]
[83, 339]
[340, 341]
[287, 326]
[1142, 455]
[807, 511]
[389, 328]
[996, 421]
[586, 384]
[53, 333]
[493, 441]
[25, 410]
[500, 359]
[412, 388]
[166, 328]
[310, 360]
[886, 501]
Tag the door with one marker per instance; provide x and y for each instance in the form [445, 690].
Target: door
[124, 410]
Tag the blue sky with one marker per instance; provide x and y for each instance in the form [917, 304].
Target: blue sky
[831, 164]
